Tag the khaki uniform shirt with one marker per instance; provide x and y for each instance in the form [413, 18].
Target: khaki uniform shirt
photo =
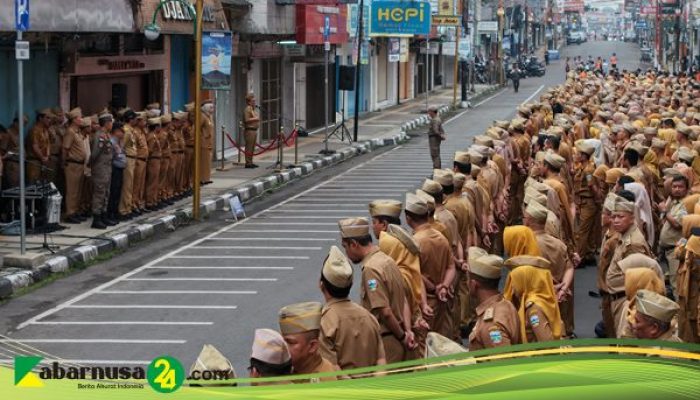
[141, 143]
[350, 335]
[207, 141]
[458, 207]
[153, 143]
[583, 179]
[630, 242]
[435, 254]
[129, 141]
[39, 136]
[445, 217]
[315, 365]
[555, 251]
[537, 328]
[670, 235]
[610, 239]
[250, 114]
[73, 144]
[164, 140]
[496, 325]
[56, 133]
[382, 286]
[435, 128]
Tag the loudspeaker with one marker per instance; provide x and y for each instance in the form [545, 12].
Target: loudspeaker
[346, 77]
[119, 95]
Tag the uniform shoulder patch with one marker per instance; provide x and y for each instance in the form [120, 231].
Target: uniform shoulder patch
[496, 336]
[534, 320]
[372, 284]
[488, 314]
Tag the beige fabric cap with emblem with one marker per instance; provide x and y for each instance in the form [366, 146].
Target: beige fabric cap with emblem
[443, 177]
[337, 269]
[431, 187]
[555, 160]
[437, 345]
[487, 266]
[77, 112]
[638, 260]
[300, 317]
[656, 306]
[609, 202]
[428, 199]
[211, 359]
[585, 147]
[269, 346]
[623, 205]
[385, 208]
[462, 157]
[537, 211]
[353, 228]
[416, 205]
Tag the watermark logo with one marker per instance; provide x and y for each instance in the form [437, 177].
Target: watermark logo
[24, 377]
[165, 374]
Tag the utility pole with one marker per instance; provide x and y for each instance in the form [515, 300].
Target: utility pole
[360, 28]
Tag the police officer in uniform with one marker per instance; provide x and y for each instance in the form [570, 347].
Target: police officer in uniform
[350, 335]
[497, 322]
[300, 325]
[101, 171]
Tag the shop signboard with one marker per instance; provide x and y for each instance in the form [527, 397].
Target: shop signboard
[405, 18]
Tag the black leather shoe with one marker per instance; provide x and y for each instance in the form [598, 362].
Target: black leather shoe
[73, 219]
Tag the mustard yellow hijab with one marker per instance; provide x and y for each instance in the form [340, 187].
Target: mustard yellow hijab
[642, 278]
[519, 240]
[651, 160]
[531, 284]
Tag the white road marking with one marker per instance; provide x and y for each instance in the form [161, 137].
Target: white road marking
[134, 341]
[279, 231]
[361, 189]
[74, 361]
[247, 257]
[177, 323]
[274, 239]
[178, 292]
[226, 228]
[533, 95]
[299, 217]
[258, 247]
[219, 267]
[205, 279]
[293, 223]
[152, 306]
[359, 209]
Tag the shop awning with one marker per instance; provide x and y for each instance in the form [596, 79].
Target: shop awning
[72, 16]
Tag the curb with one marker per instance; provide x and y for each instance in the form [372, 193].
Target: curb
[14, 279]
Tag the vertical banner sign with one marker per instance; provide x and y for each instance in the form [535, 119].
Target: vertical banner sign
[394, 50]
[364, 53]
[405, 18]
[22, 15]
[403, 49]
[217, 48]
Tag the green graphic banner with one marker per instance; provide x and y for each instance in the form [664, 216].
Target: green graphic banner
[583, 369]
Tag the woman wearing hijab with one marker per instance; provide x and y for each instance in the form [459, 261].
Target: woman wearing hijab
[529, 287]
[519, 240]
[641, 272]
[643, 215]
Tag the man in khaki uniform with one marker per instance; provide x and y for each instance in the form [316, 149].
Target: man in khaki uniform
[10, 144]
[653, 317]
[497, 321]
[153, 166]
[586, 207]
[188, 133]
[300, 325]
[553, 163]
[554, 251]
[672, 212]
[350, 335]
[74, 155]
[56, 132]
[207, 142]
[140, 129]
[251, 124]
[436, 134]
[631, 241]
[437, 264]
[126, 203]
[179, 119]
[165, 153]
[39, 152]
[269, 357]
[101, 170]
[520, 165]
[689, 290]
[382, 291]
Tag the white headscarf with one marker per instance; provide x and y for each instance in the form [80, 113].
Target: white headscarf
[643, 209]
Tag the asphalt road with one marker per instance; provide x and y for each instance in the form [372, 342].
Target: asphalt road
[217, 281]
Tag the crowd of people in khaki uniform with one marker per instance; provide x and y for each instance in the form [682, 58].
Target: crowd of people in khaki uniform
[111, 167]
[602, 171]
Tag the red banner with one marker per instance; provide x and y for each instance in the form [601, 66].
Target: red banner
[310, 20]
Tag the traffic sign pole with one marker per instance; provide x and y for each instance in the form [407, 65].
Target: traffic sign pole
[21, 24]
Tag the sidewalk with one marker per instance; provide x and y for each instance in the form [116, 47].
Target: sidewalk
[79, 244]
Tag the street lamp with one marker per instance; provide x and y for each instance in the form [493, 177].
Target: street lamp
[500, 12]
[152, 32]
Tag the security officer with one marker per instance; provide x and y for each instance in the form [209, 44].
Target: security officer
[497, 322]
[139, 128]
[101, 171]
[300, 325]
[436, 134]
[126, 204]
[350, 335]
[251, 124]
[39, 141]
[382, 289]
[74, 155]
[207, 142]
[653, 317]
[153, 166]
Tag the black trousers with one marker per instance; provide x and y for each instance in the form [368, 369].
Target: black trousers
[115, 191]
[516, 84]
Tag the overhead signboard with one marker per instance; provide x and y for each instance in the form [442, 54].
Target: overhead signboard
[488, 26]
[405, 18]
[446, 20]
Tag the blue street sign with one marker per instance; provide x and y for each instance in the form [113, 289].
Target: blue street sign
[326, 27]
[22, 15]
[405, 18]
